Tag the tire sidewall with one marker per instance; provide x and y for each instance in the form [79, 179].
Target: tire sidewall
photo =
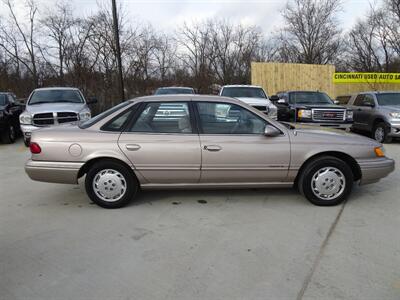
[6, 135]
[131, 187]
[386, 130]
[318, 164]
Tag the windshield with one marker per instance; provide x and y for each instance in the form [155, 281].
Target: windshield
[3, 99]
[243, 92]
[389, 99]
[173, 91]
[309, 98]
[53, 96]
[103, 115]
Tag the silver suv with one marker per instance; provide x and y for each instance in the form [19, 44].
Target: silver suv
[53, 106]
[377, 113]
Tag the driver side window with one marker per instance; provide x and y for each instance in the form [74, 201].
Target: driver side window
[226, 118]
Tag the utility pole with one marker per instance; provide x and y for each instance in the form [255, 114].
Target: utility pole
[118, 49]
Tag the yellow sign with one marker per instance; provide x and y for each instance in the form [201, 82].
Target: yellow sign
[366, 78]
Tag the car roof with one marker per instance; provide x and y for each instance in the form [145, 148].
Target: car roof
[377, 92]
[301, 91]
[57, 88]
[241, 85]
[175, 87]
[186, 97]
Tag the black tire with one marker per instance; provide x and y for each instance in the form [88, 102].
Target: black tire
[26, 142]
[130, 188]
[382, 136]
[305, 182]
[8, 136]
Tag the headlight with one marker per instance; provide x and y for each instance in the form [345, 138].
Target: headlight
[25, 119]
[84, 115]
[272, 110]
[304, 114]
[395, 115]
[349, 115]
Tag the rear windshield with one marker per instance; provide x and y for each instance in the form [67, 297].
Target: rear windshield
[103, 115]
[243, 92]
[389, 99]
[3, 99]
[55, 96]
[309, 98]
[172, 91]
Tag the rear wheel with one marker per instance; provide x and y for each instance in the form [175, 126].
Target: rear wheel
[326, 181]
[110, 184]
[8, 136]
[380, 133]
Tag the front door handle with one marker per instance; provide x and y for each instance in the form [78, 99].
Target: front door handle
[132, 147]
[212, 148]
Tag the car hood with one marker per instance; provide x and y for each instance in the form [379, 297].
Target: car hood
[52, 107]
[254, 101]
[310, 106]
[324, 135]
[390, 107]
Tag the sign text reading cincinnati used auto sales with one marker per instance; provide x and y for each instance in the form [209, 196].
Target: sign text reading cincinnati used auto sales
[366, 78]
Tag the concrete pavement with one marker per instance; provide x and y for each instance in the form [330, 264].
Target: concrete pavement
[246, 244]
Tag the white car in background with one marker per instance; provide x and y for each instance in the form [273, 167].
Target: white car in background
[53, 106]
[252, 95]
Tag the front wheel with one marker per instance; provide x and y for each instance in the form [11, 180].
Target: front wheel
[326, 181]
[380, 133]
[110, 184]
[9, 135]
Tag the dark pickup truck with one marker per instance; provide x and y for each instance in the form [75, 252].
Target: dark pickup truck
[10, 110]
[313, 108]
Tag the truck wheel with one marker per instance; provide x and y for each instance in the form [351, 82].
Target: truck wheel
[326, 181]
[380, 133]
[8, 136]
[110, 184]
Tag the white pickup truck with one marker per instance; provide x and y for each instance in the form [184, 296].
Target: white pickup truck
[252, 95]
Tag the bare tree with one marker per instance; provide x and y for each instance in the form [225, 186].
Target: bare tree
[311, 34]
[25, 36]
[56, 26]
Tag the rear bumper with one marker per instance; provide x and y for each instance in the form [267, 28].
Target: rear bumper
[55, 172]
[372, 170]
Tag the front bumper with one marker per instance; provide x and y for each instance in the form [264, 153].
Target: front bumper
[55, 172]
[394, 129]
[372, 170]
[330, 125]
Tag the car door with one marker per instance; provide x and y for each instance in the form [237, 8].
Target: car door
[162, 143]
[235, 149]
[358, 111]
[363, 109]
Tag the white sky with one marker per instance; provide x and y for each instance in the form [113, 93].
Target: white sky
[166, 15]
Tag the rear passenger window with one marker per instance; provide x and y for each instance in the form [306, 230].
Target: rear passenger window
[118, 123]
[164, 117]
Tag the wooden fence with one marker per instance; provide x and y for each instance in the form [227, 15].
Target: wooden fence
[276, 77]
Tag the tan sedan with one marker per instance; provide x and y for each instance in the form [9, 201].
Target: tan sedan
[192, 141]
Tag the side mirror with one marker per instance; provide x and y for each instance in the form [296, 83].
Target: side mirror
[369, 104]
[91, 100]
[274, 98]
[282, 101]
[271, 131]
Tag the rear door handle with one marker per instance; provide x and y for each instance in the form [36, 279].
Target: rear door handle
[212, 148]
[132, 147]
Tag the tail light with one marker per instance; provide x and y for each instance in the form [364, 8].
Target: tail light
[35, 148]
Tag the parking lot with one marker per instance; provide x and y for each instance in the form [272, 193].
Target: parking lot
[238, 244]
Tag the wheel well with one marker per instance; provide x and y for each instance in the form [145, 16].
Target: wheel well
[355, 168]
[377, 121]
[85, 168]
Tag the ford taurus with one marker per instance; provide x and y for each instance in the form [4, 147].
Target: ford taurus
[192, 141]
